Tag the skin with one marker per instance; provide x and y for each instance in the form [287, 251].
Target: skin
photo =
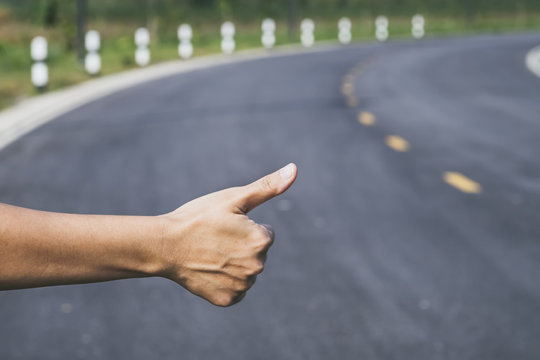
[209, 245]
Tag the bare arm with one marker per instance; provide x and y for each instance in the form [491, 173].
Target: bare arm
[208, 245]
[42, 248]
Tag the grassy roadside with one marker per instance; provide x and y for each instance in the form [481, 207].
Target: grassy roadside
[118, 48]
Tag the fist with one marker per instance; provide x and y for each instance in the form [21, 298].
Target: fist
[212, 248]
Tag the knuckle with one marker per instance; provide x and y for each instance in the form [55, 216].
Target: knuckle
[269, 240]
[251, 272]
[262, 239]
[268, 231]
[223, 300]
[256, 269]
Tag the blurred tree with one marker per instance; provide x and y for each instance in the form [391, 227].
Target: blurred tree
[50, 18]
[81, 29]
[292, 16]
[225, 8]
[151, 20]
[169, 13]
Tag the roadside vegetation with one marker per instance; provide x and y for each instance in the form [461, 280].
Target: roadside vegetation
[21, 20]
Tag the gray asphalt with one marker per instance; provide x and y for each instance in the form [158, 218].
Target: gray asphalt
[376, 257]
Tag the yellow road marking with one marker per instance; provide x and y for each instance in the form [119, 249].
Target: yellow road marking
[347, 88]
[397, 143]
[366, 118]
[462, 183]
[352, 101]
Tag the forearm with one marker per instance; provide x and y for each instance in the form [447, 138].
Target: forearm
[42, 248]
[209, 245]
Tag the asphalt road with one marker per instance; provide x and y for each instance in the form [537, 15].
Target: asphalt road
[376, 255]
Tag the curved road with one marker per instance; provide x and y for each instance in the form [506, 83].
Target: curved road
[380, 254]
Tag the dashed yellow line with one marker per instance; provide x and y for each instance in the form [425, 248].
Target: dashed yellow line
[397, 143]
[366, 118]
[462, 183]
[347, 88]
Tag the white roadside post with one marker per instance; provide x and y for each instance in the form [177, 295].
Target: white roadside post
[344, 33]
[381, 28]
[39, 71]
[185, 48]
[142, 40]
[268, 38]
[418, 23]
[92, 61]
[307, 27]
[227, 34]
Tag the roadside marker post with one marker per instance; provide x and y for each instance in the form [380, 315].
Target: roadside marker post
[227, 33]
[307, 37]
[142, 41]
[92, 60]
[185, 48]
[381, 28]
[344, 30]
[418, 24]
[268, 38]
[39, 71]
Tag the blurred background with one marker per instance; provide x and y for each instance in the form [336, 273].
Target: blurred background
[116, 21]
[411, 232]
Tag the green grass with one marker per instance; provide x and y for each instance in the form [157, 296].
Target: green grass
[118, 48]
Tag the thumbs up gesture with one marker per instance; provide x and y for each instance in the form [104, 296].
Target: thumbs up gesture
[212, 248]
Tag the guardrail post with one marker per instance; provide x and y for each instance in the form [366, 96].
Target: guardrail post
[92, 61]
[39, 71]
[142, 40]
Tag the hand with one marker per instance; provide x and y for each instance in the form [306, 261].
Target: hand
[210, 245]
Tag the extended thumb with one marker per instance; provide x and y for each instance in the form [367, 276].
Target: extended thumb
[267, 187]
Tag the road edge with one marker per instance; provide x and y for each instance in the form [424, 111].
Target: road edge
[36, 111]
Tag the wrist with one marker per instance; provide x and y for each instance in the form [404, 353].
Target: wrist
[161, 263]
[152, 259]
[173, 229]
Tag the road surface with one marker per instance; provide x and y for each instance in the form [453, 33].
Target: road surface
[412, 232]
